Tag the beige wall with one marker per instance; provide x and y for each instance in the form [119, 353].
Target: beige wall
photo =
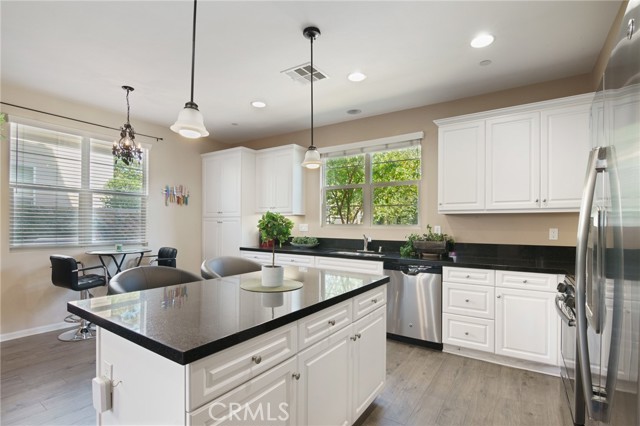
[530, 229]
[28, 300]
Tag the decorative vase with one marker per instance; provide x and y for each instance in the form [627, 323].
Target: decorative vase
[272, 276]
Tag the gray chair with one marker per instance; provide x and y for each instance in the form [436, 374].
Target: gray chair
[225, 266]
[148, 277]
[65, 273]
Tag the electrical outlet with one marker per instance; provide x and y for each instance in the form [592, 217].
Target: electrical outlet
[437, 229]
[303, 227]
[553, 234]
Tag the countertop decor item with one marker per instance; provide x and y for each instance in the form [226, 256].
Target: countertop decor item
[312, 157]
[304, 242]
[257, 286]
[190, 122]
[276, 227]
[126, 149]
[429, 243]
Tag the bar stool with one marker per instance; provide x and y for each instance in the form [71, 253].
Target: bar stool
[225, 266]
[64, 273]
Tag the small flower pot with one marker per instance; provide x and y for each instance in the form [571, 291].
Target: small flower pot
[430, 247]
[272, 276]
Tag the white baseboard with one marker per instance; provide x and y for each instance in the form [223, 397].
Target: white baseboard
[35, 330]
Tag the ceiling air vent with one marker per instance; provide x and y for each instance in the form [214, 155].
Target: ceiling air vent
[302, 73]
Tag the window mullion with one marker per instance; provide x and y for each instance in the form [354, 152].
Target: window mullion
[367, 193]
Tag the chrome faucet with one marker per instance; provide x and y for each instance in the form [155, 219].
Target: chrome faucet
[366, 243]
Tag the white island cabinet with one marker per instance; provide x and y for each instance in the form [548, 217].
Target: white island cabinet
[321, 367]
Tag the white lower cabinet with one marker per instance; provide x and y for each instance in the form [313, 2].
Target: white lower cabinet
[221, 237]
[506, 313]
[526, 325]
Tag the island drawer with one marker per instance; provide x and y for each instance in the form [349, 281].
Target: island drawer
[465, 299]
[527, 280]
[317, 326]
[350, 265]
[210, 377]
[467, 332]
[468, 275]
[369, 301]
[262, 258]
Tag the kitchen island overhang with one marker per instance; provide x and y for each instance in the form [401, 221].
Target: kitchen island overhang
[164, 321]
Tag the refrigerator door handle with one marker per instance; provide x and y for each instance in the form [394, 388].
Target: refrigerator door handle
[596, 164]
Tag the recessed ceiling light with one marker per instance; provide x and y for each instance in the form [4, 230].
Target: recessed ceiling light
[258, 104]
[485, 62]
[356, 76]
[354, 111]
[482, 40]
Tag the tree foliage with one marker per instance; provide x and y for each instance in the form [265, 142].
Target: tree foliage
[126, 179]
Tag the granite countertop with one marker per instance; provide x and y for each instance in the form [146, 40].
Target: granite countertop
[549, 260]
[188, 322]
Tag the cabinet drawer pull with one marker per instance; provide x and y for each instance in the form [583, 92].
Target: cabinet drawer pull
[468, 276]
[466, 300]
[296, 376]
[466, 333]
[374, 300]
[358, 335]
[524, 281]
[354, 338]
[257, 359]
[499, 296]
[332, 322]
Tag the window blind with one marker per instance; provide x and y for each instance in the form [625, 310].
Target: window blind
[66, 190]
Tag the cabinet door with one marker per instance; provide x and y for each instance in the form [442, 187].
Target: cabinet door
[324, 387]
[527, 325]
[461, 167]
[513, 162]
[221, 237]
[564, 149]
[269, 398]
[264, 183]
[282, 178]
[369, 359]
[221, 180]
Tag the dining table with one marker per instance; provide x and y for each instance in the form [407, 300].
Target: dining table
[122, 252]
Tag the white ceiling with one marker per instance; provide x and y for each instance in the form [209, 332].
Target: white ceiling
[414, 52]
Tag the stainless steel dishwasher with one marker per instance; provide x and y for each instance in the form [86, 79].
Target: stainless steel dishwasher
[414, 303]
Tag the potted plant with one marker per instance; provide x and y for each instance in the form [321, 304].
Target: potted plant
[427, 243]
[275, 227]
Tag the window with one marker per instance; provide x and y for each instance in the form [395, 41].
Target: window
[66, 190]
[372, 183]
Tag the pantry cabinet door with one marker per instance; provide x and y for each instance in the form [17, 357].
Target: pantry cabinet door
[513, 162]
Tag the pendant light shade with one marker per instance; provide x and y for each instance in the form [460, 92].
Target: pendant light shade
[126, 149]
[312, 157]
[190, 123]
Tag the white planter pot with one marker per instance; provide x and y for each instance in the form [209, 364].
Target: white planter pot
[272, 276]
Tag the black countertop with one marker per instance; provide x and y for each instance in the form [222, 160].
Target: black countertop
[541, 259]
[188, 322]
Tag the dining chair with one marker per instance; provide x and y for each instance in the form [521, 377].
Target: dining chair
[65, 273]
[225, 266]
[166, 257]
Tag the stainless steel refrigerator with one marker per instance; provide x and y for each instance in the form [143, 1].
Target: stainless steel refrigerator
[607, 284]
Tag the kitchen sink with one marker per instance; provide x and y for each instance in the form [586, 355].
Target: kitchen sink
[358, 254]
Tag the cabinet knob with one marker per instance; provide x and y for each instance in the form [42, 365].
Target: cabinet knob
[466, 300]
[468, 276]
[374, 300]
[296, 376]
[466, 333]
[257, 359]
[332, 322]
[524, 281]
[354, 338]
[499, 296]
[537, 201]
[358, 335]
[544, 201]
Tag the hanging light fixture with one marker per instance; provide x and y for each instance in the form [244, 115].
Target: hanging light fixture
[312, 156]
[190, 123]
[126, 149]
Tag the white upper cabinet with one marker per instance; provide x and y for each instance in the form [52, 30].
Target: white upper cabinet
[513, 162]
[461, 177]
[564, 135]
[280, 180]
[225, 175]
[529, 158]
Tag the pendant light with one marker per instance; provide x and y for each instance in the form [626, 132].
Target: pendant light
[190, 123]
[312, 156]
[126, 148]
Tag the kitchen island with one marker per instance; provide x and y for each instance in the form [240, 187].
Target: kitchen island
[210, 352]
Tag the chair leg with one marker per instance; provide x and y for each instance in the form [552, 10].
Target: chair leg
[85, 329]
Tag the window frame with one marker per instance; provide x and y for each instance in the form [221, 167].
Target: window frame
[85, 193]
[368, 148]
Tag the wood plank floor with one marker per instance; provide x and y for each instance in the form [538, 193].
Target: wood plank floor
[48, 382]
